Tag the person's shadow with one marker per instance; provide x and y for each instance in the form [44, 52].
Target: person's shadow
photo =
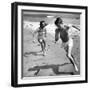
[35, 53]
[55, 69]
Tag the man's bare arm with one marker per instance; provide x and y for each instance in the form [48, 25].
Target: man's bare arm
[76, 27]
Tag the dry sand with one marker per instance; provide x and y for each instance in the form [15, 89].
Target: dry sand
[54, 63]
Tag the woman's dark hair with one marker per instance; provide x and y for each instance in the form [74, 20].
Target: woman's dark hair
[58, 20]
[41, 22]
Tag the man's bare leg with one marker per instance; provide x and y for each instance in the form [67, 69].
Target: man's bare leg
[69, 49]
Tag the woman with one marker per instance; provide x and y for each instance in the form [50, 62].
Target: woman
[41, 31]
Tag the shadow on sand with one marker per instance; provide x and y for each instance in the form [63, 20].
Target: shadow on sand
[35, 53]
[55, 69]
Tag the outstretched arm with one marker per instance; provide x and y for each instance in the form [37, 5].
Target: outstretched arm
[75, 27]
[35, 32]
[34, 35]
[45, 33]
[74, 30]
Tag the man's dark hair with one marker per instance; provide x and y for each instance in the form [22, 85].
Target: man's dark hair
[58, 20]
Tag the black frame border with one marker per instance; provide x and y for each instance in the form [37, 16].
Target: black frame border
[14, 43]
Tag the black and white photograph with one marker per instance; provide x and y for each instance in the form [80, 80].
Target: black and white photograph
[51, 44]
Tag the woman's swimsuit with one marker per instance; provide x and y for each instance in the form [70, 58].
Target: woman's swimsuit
[41, 33]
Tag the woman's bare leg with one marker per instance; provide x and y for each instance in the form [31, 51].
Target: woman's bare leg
[41, 43]
[44, 47]
[44, 43]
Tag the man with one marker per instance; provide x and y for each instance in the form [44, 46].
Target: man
[66, 37]
[41, 31]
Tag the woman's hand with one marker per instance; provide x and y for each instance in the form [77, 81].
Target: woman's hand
[33, 41]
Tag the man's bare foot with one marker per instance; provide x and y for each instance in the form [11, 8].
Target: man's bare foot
[76, 68]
